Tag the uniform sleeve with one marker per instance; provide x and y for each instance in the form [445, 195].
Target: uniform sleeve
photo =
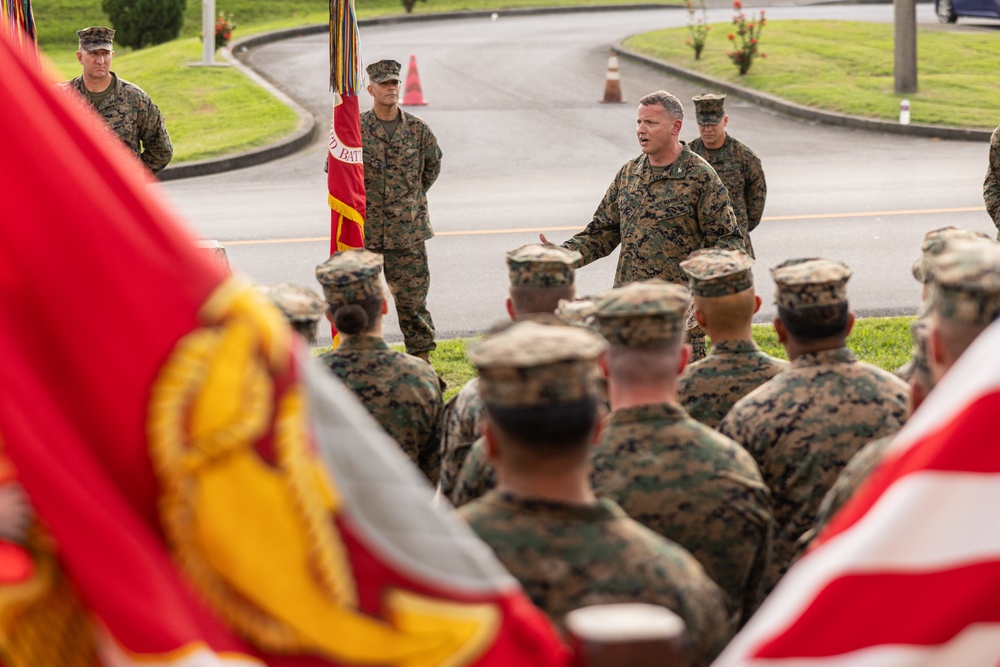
[991, 186]
[432, 160]
[603, 234]
[476, 477]
[755, 192]
[157, 150]
[428, 455]
[716, 218]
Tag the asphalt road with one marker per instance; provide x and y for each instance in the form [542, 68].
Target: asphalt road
[527, 147]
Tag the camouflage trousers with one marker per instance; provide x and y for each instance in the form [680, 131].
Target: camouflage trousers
[409, 280]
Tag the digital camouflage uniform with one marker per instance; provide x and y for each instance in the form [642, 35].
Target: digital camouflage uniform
[710, 387]
[862, 464]
[685, 481]
[677, 477]
[568, 556]
[475, 477]
[137, 121]
[534, 265]
[991, 186]
[738, 167]
[398, 173]
[400, 391]
[858, 469]
[659, 219]
[805, 424]
[460, 428]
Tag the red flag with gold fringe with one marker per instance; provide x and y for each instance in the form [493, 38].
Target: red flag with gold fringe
[213, 498]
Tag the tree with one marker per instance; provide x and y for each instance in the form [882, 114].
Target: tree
[140, 23]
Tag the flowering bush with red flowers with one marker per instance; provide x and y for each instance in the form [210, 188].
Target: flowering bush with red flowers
[697, 27]
[745, 38]
[224, 27]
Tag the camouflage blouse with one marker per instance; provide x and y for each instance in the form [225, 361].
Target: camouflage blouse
[659, 218]
[400, 391]
[568, 556]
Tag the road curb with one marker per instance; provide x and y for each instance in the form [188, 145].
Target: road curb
[808, 113]
[304, 135]
[308, 128]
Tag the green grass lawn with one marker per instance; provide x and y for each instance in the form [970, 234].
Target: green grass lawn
[882, 341]
[834, 65]
[848, 67]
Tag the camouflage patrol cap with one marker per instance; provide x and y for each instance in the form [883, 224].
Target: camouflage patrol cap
[718, 272]
[643, 312]
[96, 38]
[297, 303]
[537, 365]
[934, 244]
[581, 312]
[965, 282]
[540, 265]
[383, 70]
[810, 283]
[709, 109]
[350, 276]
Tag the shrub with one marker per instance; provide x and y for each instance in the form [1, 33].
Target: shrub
[140, 23]
[746, 37]
[697, 27]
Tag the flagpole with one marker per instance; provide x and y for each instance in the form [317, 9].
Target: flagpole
[208, 37]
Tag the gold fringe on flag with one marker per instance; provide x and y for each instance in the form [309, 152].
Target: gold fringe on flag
[346, 76]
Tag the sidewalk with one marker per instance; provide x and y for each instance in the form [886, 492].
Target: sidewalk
[309, 128]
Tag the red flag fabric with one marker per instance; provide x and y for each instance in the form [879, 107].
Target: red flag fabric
[346, 176]
[213, 498]
[908, 573]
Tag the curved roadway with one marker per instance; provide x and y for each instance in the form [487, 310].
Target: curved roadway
[527, 148]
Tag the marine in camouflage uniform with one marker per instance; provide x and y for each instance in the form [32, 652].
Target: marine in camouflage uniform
[964, 290]
[540, 276]
[402, 160]
[934, 244]
[661, 207]
[301, 306]
[567, 548]
[805, 424]
[124, 106]
[738, 166]
[677, 477]
[991, 186]
[721, 282]
[400, 391]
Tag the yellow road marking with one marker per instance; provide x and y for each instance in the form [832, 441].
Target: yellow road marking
[524, 230]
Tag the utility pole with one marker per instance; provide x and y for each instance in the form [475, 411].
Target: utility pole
[905, 46]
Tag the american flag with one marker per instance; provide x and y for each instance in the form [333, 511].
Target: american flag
[908, 573]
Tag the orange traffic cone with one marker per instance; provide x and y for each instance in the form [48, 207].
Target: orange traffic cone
[413, 97]
[613, 83]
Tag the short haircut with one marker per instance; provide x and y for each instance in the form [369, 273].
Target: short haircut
[649, 364]
[817, 323]
[306, 329]
[727, 312]
[548, 430]
[528, 299]
[668, 102]
[355, 318]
